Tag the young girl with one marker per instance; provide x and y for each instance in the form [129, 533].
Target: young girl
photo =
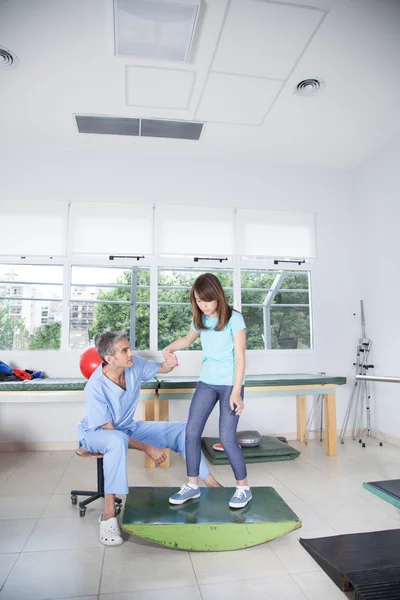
[223, 338]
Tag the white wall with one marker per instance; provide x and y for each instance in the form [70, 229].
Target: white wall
[378, 218]
[129, 178]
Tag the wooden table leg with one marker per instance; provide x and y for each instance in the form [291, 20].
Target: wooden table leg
[330, 424]
[301, 411]
[156, 410]
[149, 416]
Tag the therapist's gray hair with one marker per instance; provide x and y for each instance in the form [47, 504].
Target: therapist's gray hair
[105, 342]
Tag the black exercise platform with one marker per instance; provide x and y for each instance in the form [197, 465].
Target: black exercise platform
[369, 563]
[387, 490]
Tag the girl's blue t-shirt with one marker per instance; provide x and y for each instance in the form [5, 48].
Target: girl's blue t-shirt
[218, 350]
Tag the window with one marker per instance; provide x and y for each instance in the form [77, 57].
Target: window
[174, 308]
[104, 298]
[276, 309]
[275, 304]
[27, 292]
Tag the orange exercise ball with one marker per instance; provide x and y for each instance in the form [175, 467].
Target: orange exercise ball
[89, 362]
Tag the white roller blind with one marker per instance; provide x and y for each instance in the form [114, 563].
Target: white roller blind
[273, 233]
[194, 230]
[33, 228]
[111, 228]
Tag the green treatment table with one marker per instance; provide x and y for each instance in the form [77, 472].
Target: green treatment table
[157, 393]
[261, 386]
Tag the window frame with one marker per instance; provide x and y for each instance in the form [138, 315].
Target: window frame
[102, 263]
[236, 263]
[269, 265]
[41, 261]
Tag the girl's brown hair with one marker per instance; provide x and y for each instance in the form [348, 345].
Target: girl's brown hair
[207, 287]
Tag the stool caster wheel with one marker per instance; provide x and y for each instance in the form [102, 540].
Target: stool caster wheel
[363, 445]
[74, 500]
[380, 443]
[117, 509]
[82, 512]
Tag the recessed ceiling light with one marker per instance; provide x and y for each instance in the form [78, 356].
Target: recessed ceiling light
[309, 87]
[156, 29]
[8, 60]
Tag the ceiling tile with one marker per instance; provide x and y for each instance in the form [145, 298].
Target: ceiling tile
[163, 88]
[237, 99]
[264, 39]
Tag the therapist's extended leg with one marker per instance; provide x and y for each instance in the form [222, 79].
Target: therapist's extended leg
[113, 444]
[161, 434]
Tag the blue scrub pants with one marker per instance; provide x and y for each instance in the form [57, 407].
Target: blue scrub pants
[114, 445]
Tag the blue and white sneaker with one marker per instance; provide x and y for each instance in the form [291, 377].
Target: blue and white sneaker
[240, 498]
[185, 493]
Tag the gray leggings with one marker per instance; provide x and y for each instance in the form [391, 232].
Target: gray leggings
[204, 399]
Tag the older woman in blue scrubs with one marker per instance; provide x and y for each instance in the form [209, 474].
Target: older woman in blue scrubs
[111, 395]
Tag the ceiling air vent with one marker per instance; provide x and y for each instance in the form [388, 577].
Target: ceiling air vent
[177, 130]
[309, 87]
[107, 125]
[156, 128]
[8, 60]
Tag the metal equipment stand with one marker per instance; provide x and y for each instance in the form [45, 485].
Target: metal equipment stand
[360, 397]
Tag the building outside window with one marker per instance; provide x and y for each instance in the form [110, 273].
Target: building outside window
[107, 298]
[30, 307]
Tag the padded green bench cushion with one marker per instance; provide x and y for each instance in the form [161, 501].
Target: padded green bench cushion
[283, 379]
[57, 385]
[269, 450]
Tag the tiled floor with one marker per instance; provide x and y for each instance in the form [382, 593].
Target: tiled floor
[48, 552]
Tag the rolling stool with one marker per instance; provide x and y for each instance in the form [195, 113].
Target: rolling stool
[82, 453]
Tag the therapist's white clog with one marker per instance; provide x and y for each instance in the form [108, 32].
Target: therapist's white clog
[110, 534]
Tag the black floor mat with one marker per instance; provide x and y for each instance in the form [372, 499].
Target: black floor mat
[367, 562]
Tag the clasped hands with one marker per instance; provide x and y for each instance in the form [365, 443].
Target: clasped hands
[170, 358]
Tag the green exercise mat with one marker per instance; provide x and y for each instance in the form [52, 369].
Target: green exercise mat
[388, 490]
[270, 450]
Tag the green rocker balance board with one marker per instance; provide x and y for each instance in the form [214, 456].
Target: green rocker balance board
[207, 523]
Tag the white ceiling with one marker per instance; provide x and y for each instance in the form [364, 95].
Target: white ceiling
[247, 58]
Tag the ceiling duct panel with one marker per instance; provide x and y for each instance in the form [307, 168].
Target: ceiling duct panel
[179, 130]
[156, 128]
[107, 125]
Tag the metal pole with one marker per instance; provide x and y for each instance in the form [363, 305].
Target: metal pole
[378, 378]
[267, 328]
[275, 287]
[358, 414]
[133, 307]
